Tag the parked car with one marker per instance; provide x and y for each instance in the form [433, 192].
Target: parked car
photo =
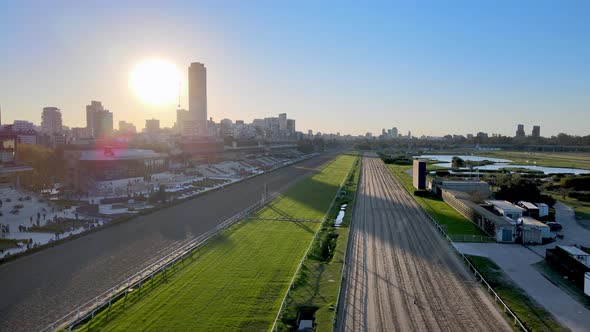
[554, 226]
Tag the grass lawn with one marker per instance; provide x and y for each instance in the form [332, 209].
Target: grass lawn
[456, 224]
[318, 283]
[548, 159]
[310, 198]
[237, 280]
[531, 313]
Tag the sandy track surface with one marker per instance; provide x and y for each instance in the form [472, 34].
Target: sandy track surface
[402, 274]
[38, 289]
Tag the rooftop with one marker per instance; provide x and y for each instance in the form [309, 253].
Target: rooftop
[574, 251]
[504, 205]
[528, 205]
[119, 154]
[532, 222]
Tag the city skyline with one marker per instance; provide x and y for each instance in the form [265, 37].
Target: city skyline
[396, 64]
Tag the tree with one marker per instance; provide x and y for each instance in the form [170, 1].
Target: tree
[48, 166]
[457, 162]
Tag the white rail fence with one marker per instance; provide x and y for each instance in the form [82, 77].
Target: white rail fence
[104, 301]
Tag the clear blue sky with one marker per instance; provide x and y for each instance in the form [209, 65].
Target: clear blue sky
[430, 67]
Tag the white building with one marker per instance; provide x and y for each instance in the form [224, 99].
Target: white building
[507, 209]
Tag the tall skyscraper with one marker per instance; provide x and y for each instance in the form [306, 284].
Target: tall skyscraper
[520, 131]
[51, 122]
[536, 131]
[197, 99]
[99, 121]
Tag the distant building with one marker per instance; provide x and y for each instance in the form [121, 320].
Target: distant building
[271, 127]
[51, 122]
[99, 121]
[290, 128]
[419, 174]
[126, 127]
[482, 135]
[225, 128]
[196, 122]
[182, 117]
[79, 133]
[536, 131]
[283, 125]
[22, 125]
[152, 126]
[520, 131]
[394, 132]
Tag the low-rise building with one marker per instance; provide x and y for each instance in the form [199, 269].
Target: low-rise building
[500, 228]
[531, 209]
[543, 209]
[533, 231]
[506, 209]
[87, 165]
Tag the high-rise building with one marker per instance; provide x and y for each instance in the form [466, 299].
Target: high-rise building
[536, 131]
[225, 128]
[271, 127]
[197, 100]
[394, 133]
[99, 121]
[152, 126]
[95, 106]
[520, 131]
[290, 128]
[283, 125]
[51, 120]
[181, 120]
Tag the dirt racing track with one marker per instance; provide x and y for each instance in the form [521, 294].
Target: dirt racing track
[38, 289]
[402, 275]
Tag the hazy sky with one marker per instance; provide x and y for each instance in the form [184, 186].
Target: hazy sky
[430, 67]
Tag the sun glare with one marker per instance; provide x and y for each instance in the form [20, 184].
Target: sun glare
[155, 82]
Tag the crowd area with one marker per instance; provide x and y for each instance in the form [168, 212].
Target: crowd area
[28, 220]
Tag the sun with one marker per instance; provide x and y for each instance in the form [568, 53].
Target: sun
[155, 82]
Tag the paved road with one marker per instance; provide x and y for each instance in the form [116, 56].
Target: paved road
[402, 275]
[516, 261]
[573, 232]
[38, 289]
